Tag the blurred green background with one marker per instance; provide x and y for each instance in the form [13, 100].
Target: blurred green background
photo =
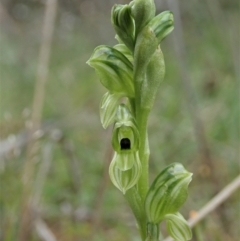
[77, 200]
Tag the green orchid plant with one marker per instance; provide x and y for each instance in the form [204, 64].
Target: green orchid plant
[132, 71]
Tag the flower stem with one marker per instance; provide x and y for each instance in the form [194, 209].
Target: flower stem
[137, 207]
[144, 152]
[152, 232]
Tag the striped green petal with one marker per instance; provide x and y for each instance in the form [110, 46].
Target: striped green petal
[124, 180]
[114, 70]
[123, 24]
[167, 193]
[108, 108]
[178, 227]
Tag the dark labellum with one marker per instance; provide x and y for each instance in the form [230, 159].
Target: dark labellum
[125, 144]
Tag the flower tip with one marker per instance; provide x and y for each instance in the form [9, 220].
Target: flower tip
[190, 176]
[104, 126]
[171, 17]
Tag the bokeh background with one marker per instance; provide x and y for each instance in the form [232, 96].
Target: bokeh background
[195, 119]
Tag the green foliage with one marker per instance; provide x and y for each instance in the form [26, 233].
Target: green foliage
[129, 167]
[72, 99]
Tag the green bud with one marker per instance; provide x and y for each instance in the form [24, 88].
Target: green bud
[124, 50]
[148, 41]
[167, 193]
[124, 180]
[114, 70]
[178, 227]
[154, 75]
[123, 24]
[125, 137]
[108, 108]
[142, 11]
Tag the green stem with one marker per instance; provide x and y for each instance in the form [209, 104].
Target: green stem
[152, 232]
[198, 232]
[133, 106]
[142, 118]
[137, 207]
[143, 183]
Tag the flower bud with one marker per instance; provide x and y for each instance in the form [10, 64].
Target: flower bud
[123, 24]
[108, 108]
[178, 227]
[124, 180]
[167, 193]
[142, 11]
[125, 137]
[114, 70]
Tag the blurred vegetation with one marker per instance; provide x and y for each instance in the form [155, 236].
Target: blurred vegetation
[93, 209]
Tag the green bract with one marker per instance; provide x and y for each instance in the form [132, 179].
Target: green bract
[154, 75]
[148, 41]
[124, 180]
[108, 108]
[178, 227]
[123, 24]
[142, 11]
[145, 47]
[167, 193]
[114, 70]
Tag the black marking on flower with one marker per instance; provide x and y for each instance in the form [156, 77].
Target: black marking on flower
[125, 144]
